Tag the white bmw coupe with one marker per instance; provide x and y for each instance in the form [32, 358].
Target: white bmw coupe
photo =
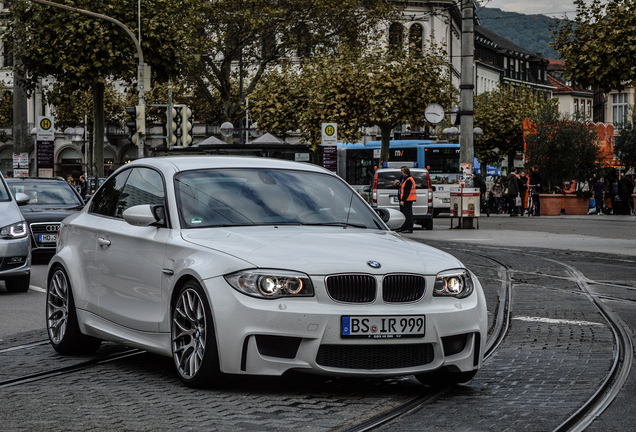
[259, 266]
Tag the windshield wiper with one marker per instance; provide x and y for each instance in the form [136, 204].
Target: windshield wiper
[342, 224]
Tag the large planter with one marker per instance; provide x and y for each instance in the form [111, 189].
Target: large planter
[576, 205]
[551, 204]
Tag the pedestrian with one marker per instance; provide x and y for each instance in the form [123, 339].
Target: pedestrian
[407, 197]
[69, 179]
[599, 195]
[625, 188]
[83, 186]
[497, 194]
[513, 191]
[523, 191]
[537, 187]
[614, 195]
[478, 183]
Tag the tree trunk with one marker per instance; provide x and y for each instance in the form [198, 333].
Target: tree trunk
[98, 129]
[385, 131]
[20, 127]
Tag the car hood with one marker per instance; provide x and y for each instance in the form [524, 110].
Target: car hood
[10, 213]
[44, 214]
[319, 251]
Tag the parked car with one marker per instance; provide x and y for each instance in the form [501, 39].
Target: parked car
[259, 266]
[385, 193]
[15, 246]
[50, 201]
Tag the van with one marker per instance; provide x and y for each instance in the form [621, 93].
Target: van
[385, 193]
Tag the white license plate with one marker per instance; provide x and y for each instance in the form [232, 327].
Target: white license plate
[47, 238]
[446, 200]
[394, 199]
[383, 327]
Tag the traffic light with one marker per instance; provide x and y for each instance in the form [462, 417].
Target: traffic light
[137, 122]
[186, 126]
[171, 125]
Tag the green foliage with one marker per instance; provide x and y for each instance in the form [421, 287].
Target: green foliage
[532, 32]
[563, 147]
[625, 142]
[258, 34]
[354, 89]
[500, 114]
[598, 46]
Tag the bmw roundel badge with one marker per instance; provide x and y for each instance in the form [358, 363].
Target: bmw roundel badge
[374, 264]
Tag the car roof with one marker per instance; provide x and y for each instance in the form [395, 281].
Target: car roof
[186, 163]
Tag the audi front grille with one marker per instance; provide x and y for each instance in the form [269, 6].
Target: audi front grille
[44, 228]
[352, 288]
[405, 288]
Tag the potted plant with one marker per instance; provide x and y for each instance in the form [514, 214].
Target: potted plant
[563, 147]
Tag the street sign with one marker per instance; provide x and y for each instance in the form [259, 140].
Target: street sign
[45, 129]
[329, 134]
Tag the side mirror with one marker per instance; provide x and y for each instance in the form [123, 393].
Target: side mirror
[144, 215]
[21, 198]
[366, 189]
[393, 218]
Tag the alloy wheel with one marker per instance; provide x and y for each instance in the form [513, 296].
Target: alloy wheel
[188, 333]
[57, 306]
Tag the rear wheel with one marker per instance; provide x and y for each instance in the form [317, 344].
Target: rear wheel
[61, 318]
[427, 224]
[194, 349]
[18, 283]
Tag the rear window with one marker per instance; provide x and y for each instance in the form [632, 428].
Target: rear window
[386, 179]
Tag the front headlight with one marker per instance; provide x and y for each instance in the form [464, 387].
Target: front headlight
[454, 283]
[15, 231]
[271, 284]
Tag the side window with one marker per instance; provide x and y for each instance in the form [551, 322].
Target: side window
[144, 186]
[105, 201]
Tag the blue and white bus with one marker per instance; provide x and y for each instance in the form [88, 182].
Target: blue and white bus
[441, 159]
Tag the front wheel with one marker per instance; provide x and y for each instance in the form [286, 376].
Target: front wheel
[61, 318]
[194, 349]
[18, 283]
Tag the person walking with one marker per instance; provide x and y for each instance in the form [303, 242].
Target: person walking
[513, 191]
[478, 183]
[523, 190]
[407, 197]
[497, 194]
[614, 195]
[625, 188]
[537, 181]
[599, 195]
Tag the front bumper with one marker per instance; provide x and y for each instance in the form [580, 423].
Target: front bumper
[15, 257]
[269, 337]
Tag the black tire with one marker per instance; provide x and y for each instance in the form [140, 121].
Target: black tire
[194, 349]
[427, 224]
[436, 213]
[442, 377]
[61, 318]
[18, 283]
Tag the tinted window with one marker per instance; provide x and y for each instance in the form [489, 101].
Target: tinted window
[46, 193]
[230, 197]
[144, 186]
[4, 193]
[106, 198]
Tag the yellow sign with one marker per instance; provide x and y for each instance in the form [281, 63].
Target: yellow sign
[45, 124]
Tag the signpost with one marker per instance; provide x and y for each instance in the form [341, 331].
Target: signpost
[330, 146]
[45, 146]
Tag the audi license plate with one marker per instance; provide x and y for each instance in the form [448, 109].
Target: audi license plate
[47, 238]
[382, 327]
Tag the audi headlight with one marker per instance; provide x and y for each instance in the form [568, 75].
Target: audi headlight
[454, 283]
[15, 231]
[271, 284]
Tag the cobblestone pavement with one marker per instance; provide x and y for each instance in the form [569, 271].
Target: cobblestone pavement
[556, 353]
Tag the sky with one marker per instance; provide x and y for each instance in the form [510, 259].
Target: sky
[553, 8]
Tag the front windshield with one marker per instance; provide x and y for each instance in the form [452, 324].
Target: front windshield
[232, 197]
[46, 193]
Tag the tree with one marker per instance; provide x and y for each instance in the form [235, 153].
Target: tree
[83, 54]
[355, 89]
[500, 114]
[563, 147]
[598, 46]
[243, 38]
[625, 142]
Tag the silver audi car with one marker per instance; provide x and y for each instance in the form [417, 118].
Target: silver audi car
[15, 244]
[258, 266]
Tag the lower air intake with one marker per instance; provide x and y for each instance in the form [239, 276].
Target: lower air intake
[374, 356]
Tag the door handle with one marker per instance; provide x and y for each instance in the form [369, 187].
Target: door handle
[103, 242]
